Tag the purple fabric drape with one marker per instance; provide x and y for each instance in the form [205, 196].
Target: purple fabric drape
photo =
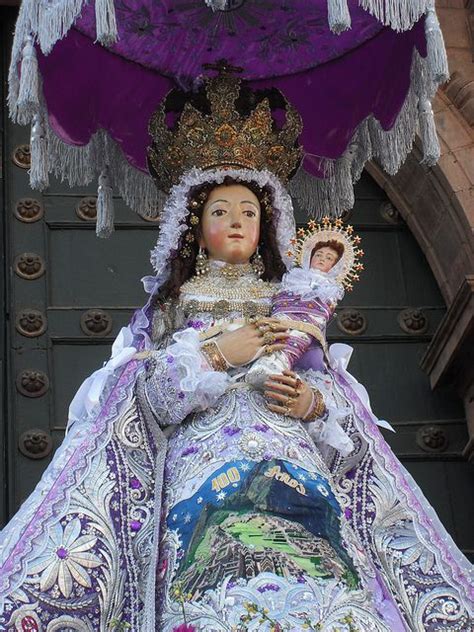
[266, 38]
[88, 88]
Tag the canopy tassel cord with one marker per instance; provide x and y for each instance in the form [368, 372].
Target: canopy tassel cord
[428, 135]
[105, 206]
[39, 178]
[339, 18]
[106, 22]
[437, 57]
[28, 94]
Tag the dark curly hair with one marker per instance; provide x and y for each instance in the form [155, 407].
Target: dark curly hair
[183, 267]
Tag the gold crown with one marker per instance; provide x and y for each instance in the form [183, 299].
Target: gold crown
[222, 137]
[302, 247]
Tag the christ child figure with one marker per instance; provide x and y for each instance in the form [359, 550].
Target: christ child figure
[326, 264]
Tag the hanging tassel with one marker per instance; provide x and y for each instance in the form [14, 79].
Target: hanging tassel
[28, 95]
[339, 17]
[105, 22]
[436, 57]
[105, 206]
[39, 178]
[428, 135]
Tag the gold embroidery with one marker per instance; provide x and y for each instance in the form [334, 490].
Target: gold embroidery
[276, 473]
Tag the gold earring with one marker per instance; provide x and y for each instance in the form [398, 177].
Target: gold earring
[202, 262]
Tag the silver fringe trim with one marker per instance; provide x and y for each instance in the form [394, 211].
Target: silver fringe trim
[334, 195]
[80, 166]
[437, 57]
[331, 196]
[44, 23]
[400, 15]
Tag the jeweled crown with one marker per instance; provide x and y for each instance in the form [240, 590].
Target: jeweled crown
[219, 134]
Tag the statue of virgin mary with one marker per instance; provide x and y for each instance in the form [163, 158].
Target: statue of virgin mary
[183, 499]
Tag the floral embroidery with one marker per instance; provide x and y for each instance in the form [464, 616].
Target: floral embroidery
[67, 559]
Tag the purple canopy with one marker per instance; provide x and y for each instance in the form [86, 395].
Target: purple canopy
[361, 93]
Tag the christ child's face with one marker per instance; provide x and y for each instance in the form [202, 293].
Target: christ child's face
[324, 259]
[230, 225]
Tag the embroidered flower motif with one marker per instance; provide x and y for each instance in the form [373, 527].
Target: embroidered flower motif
[410, 549]
[67, 559]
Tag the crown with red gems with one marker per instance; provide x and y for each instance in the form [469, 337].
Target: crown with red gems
[301, 248]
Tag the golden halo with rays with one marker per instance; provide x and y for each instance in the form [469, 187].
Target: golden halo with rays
[302, 246]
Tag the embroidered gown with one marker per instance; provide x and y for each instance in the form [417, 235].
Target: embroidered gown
[255, 535]
[178, 502]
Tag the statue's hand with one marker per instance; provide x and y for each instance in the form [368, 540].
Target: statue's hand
[288, 395]
[243, 345]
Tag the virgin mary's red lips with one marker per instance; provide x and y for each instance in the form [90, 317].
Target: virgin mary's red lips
[235, 235]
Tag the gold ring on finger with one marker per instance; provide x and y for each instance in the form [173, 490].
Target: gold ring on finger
[268, 338]
[268, 349]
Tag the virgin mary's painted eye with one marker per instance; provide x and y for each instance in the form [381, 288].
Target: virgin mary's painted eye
[218, 212]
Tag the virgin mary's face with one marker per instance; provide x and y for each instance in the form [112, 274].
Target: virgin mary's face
[230, 224]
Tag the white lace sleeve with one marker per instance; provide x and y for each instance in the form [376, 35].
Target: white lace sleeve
[180, 381]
